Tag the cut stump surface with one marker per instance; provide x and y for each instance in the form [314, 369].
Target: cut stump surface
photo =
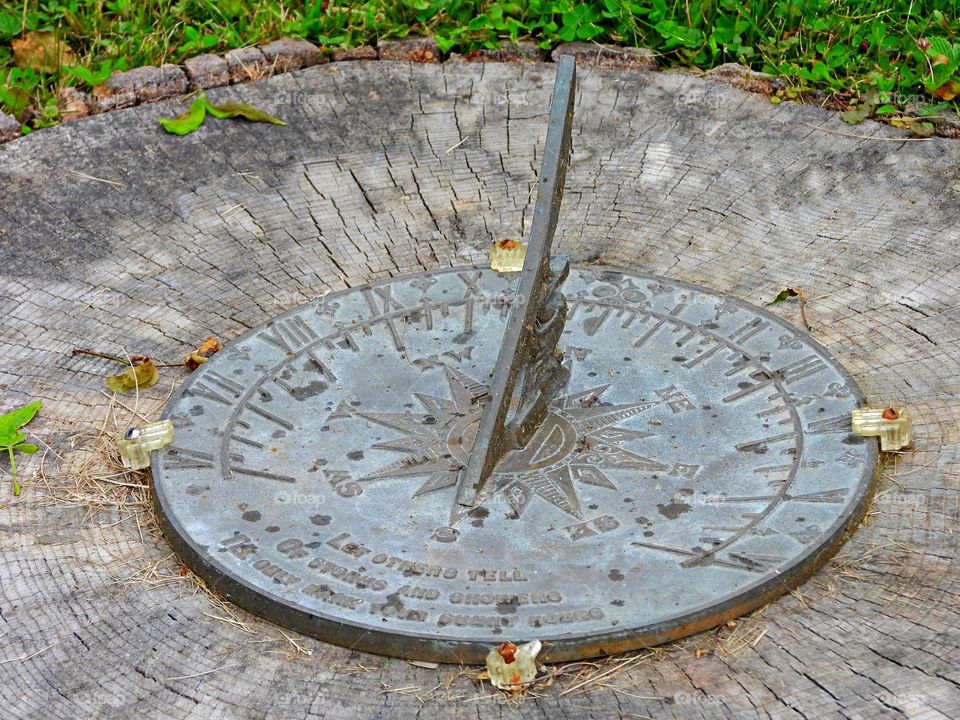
[118, 236]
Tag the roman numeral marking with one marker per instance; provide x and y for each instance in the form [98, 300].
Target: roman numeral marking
[211, 387]
[386, 301]
[236, 470]
[472, 282]
[289, 335]
[321, 367]
[427, 316]
[347, 343]
[468, 315]
[182, 459]
[396, 333]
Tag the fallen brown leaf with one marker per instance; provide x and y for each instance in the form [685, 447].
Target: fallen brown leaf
[198, 357]
[42, 51]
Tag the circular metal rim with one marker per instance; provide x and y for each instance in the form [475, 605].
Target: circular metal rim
[415, 646]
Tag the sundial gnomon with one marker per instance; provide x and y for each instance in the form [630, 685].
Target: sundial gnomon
[695, 462]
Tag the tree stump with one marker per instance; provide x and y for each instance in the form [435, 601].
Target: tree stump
[119, 237]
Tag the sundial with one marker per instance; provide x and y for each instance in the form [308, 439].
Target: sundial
[429, 465]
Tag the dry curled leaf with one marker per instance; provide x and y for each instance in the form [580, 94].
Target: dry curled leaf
[141, 375]
[42, 51]
[198, 357]
[210, 346]
[193, 360]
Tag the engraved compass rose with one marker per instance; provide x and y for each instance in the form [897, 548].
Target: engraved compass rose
[577, 441]
[414, 468]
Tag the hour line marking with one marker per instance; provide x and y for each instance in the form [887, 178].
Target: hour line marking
[246, 441]
[810, 365]
[835, 424]
[703, 356]
[825, 496]
[205, 388]
[183, 459]
[747, 331]
[806, 367]
[262, 474]
[759, 445]
[268, 415]
[712, 560]
[737, 337]
[757, 562]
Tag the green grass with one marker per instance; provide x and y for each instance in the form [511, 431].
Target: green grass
[899, 53]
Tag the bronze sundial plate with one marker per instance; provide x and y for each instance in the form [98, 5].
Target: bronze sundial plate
[698, 464]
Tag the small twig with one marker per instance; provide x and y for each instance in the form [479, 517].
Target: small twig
[90, 304]
[803, 312]
[102, 356]
[297, 646]
[454, 147]
[93, 177]
[200, 674]
[28, 655]
[229, 210]
[122, 361]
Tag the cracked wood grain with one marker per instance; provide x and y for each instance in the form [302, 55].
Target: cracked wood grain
[390, 168]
